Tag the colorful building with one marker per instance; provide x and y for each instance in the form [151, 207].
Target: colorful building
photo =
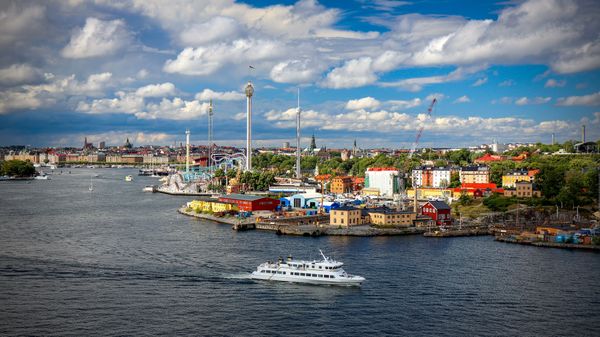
[345, 216]
[475, 174]
[341, 185]
[211, 206]
[509, 179]
[385, 179]
[439, 211]
[391, 217]
[428, 176]
[522, 189]
[250, 203]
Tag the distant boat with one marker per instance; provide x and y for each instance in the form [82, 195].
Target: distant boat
[149, 188]
[129, 178]
[42, 177]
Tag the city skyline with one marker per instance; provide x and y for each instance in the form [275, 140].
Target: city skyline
[514, 72]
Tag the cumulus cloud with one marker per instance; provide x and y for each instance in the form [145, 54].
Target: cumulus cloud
[462, 99]
[354, 73]
[366, 103]
[156, 90]
[536, 100]
[591, 99]
[175, 109]
[203, 61]
[295, 71]
[208, 94]
[19, 24]
[552, 83]
[97, 38]
[19, 74]
[215, 29]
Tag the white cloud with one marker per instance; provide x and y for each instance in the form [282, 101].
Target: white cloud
[417, 83]
[366, 103]
[175, 109]
[124, 103]
[552, 83]
[208, 94]
[156, 90]
[536, 100]
[354, 73]
[19, 74]
[207, 60]
[295, 71]
[462, 99]
[403, 104]
[480, 81]
[215, 29]
[507, 83]
[591, 99]
[97, 38]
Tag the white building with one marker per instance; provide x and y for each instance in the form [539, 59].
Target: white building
[427, 176]
[386, 179]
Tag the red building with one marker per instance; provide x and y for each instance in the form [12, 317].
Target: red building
[250, 203]
[438, 211]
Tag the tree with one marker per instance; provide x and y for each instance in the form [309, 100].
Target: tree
[18, 168]
[454, 179]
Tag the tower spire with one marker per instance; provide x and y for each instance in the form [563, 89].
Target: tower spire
[249, 93]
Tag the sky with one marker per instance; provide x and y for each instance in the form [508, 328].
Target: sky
[509, 71]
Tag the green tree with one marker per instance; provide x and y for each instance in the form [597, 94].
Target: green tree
[454, 179]
[18, 168]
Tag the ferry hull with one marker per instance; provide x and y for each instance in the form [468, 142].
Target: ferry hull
[354, 281]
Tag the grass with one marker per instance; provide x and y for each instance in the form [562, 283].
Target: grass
[474, 210]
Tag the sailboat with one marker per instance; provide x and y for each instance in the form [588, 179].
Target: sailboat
[91, 188]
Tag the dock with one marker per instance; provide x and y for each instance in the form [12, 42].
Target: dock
[457, 232]
[548, 244]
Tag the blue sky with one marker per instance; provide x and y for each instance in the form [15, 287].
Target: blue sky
[514, 71]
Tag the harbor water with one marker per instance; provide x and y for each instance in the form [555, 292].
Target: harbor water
[118, 261]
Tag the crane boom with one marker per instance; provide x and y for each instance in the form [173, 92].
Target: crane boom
[416, 143]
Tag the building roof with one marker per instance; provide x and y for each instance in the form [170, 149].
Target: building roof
[474, 168]
[372, 169]
[346, 208]
[246, 197]
[478, 186]
[488, 158]
[439, 205]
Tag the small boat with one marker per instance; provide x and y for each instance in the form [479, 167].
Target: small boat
[41, 176]
[129, 178]
[326, 271]
[149, 188]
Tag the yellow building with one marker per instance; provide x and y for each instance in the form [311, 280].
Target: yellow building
[426, 193]
[474, 175]
[211, 206]
[523, 189]
[509, 180]
[345, 216]
[372, 191]
[389, 217]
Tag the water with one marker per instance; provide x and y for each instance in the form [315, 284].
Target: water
[118, 261]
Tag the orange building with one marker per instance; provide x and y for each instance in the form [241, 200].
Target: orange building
[340, 185]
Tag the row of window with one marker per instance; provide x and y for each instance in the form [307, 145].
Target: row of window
[297, 274]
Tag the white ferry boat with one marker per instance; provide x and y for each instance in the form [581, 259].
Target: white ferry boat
[326, 271]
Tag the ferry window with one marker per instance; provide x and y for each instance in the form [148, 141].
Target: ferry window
[301, 274]
[320, 275]
[320, 267]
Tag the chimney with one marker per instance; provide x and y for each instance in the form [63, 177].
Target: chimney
[583, 133]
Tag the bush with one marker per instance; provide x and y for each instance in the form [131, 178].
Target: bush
[18, 168]
[498, 203]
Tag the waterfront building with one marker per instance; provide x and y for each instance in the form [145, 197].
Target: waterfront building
[430, 193]
[475, 174]
[341, 185]
[509, 179]
[522, 189]
[385, 179]
[345, 216]
[304, 200]
[114, 159]
[132, 159]
[211, 206]
[438, 211]
[391, 217]
[34, 158]
[250, 203]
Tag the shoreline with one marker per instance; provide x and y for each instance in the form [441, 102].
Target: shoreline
[549, 244]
